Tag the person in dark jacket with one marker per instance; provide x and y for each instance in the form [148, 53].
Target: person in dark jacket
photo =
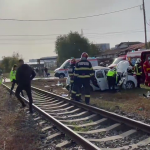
[24, 76]
[82, 76]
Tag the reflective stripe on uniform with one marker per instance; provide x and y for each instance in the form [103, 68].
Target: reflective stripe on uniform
[83, 68]
[76, 75]
[148, 69]
[87, 95]
[144, 65]
[73, 92]
[71, 81]
[84, 76]
[78, 94]
[92, 74]
[70, 74]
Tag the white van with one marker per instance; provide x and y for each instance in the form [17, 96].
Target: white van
[62, 71]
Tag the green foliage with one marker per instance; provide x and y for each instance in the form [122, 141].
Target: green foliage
[8, 62]
[72, 45]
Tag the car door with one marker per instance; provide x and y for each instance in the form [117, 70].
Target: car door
[101, 79]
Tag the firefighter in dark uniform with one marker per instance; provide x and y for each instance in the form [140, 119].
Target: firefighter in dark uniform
[71, 71]
[111, 78]
[82, 76]
[24, 76]
[138, 71]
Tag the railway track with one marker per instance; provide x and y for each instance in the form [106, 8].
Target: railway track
[88, 126]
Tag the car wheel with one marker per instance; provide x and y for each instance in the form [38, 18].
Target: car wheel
[61, 76]
[130, 85]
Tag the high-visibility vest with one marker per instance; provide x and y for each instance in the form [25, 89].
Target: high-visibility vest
[12, 75]
[111, 73]
[0, 80]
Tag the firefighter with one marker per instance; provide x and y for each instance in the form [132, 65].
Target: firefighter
[71, 71]
[24, 76]
[138, 71]
[146, 68]
[111, 78]
[82, 76]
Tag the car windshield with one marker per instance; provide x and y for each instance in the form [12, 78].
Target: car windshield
[65, 64]
[117, 60]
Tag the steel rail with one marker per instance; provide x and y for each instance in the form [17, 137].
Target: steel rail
[66, 130]
[113, 116]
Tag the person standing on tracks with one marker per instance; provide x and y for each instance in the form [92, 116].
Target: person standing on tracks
[138, 71]
[71, 71]
[24, 76]
[82, 76]
[13, 79]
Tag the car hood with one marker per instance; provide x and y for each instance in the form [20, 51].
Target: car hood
[56, 69]
[122, 66]
[112, 66]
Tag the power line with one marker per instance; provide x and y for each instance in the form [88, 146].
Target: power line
[35, 35]
[113, 32]
[72, 18]
[27, 39]
[87, 35]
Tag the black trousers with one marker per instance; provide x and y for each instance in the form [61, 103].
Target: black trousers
[138, 80]
[12, 87]
[27, 88]
[77, 89]
[111, 82]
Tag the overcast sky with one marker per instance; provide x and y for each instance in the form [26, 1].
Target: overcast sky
[129, 23]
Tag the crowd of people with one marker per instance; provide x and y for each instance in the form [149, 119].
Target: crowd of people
[81, 73]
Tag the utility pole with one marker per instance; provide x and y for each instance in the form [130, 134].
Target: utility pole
[145, 25]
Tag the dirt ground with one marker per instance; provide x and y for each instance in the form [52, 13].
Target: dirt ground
[17, 131]
[130, 101]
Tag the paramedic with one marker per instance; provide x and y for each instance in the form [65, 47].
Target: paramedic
[13, 79]
[111, 78]
[146, 68]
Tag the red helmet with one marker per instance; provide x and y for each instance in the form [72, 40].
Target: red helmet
[73, 61]
[85, 55]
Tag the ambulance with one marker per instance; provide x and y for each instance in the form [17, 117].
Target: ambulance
[133, 56]
[62, 71]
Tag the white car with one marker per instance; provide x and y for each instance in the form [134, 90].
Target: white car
[101, 77]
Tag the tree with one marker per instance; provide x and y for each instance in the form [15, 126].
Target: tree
[8, 62]
[72, 45]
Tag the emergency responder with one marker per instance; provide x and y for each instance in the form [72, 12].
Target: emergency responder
[82, 76]
[71, 71]
[1, 79]
[111, 78]
[13, 79]
[146, 67]
[138, 71]
[24, 76]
